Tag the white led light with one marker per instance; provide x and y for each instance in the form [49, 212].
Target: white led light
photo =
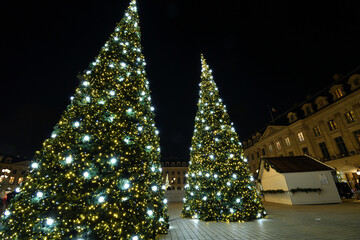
[153, 169]
[86, 174]
[101, 199]
[211, 157]
[152, 108]
[216, 176]
[231, 155]
[112, 93]
[135, 238]
[207, 174]
[17, 190]
[49, 221]
[231, 210]
[204, 198]
[218, 193]
[187, 185]
[39, 194]
[196, 187]
[184, 199]
[191, 193]
[7, 212]
[126, 185]
[86, 83]
[150, 212]
[207, 128]
[156, 132]
[129, 110]
[165, 201]
[113, 160]
[123, 64]
[251, 178]
[148, 147]
[228, 183]
[53, 135]
[88, 72]
[68, 159]
[259, 215]
[116, 38]
[154, 188]
[234, 175]
[87, 99]
[86, 138]
[238, 200]
[76, 124]
[34, 165]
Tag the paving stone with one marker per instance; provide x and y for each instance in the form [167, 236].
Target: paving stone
[329, 221]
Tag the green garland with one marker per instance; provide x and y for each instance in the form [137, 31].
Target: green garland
[306, 190]
[273, 191]
[293, 190]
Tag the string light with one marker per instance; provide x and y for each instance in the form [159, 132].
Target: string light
[212, 127]
[100, 167]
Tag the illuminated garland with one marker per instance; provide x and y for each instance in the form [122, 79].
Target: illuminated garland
[220, 186]
[99, 175]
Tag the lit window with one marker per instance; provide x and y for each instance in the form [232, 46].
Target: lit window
[287, 142]
[301, 137]
[20, 180]
[317, 131]
[350, 117]
[270, 149]
[332, 125]
[11, 180]
[338, 93]
[278, 145]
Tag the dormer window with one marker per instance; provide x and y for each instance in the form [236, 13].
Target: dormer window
[354, 81]
[292, 117]
[321, 102]
[337, 91]
[308, 109]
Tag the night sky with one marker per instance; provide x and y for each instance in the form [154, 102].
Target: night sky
[262, 53]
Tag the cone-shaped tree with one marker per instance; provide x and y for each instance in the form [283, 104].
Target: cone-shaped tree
[219, 185]
[98, 176]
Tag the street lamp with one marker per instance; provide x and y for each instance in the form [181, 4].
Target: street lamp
[5, 173]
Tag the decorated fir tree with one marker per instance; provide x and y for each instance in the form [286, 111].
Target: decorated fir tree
[220, 186]
[99, 175]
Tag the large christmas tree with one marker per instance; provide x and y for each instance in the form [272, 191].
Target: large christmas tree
[220, 186]
[99, 175]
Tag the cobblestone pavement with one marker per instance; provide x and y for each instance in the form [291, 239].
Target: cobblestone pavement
[330, 221]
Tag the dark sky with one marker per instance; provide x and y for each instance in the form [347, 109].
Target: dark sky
[261, 52]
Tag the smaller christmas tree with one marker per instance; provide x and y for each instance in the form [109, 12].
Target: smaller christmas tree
[220, 186]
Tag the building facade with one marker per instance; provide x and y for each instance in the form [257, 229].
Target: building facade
[326, 126]
[176, 171]
[13, 170]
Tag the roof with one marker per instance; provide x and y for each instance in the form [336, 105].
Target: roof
[296, 164]
[12, 158]
[282, 119]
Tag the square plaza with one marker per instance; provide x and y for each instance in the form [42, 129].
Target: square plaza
[328, 221]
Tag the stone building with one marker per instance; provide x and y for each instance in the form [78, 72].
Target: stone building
[13, 170]
[325, 126]
[176, 171]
